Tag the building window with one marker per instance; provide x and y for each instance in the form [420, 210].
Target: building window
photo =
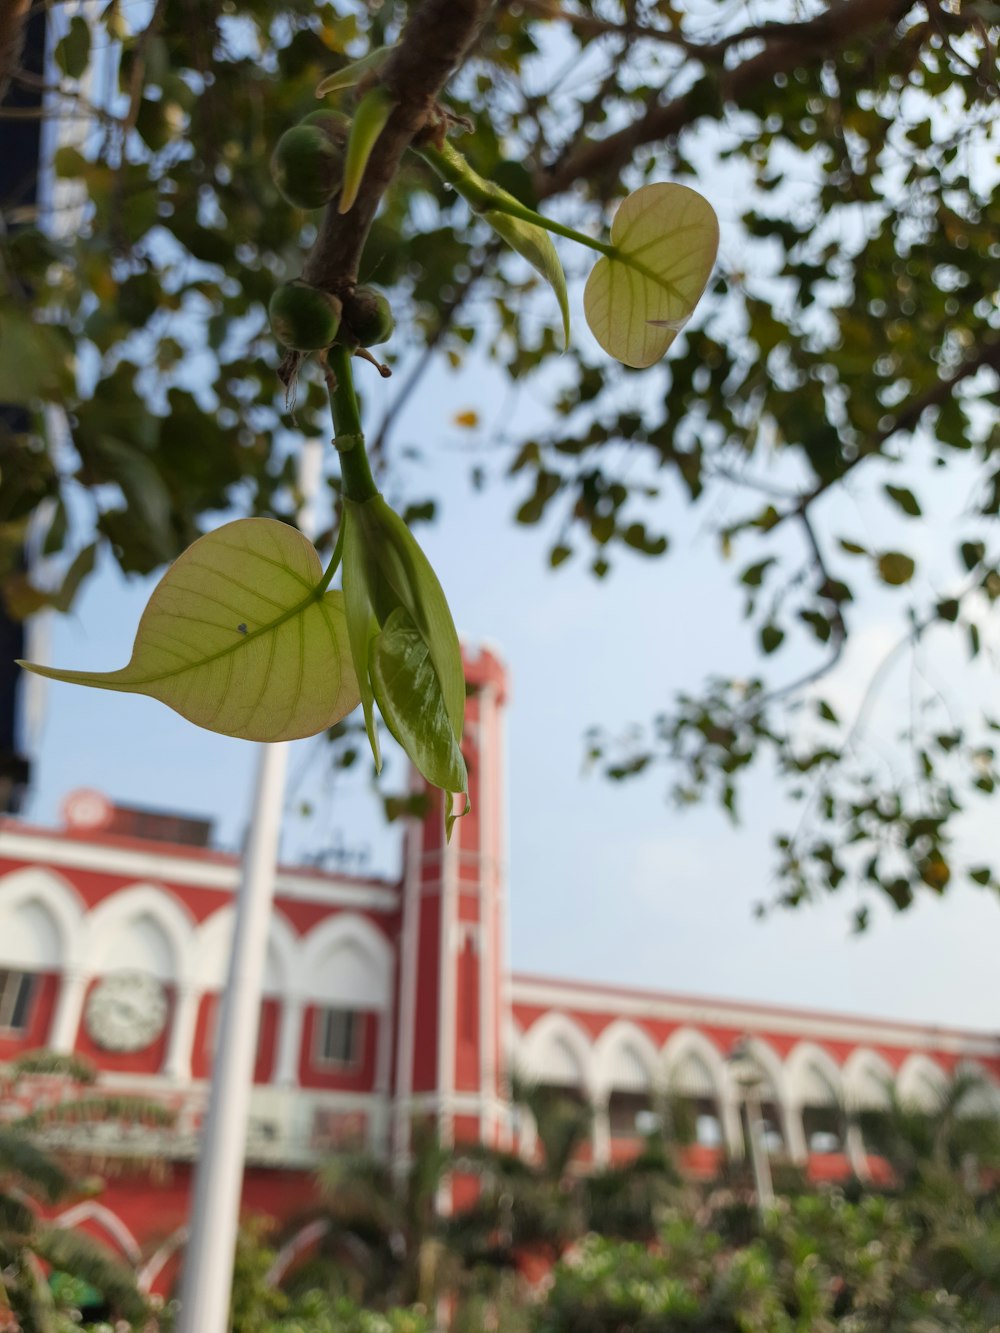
[16, 989]
[338, 1037]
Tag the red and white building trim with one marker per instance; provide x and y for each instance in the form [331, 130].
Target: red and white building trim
[388, 1000]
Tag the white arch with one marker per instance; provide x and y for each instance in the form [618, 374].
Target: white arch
[624, 1060]
[868, 1080]
[982, 1100]
[155, 1265]
[55, 896]
[290, 1251]
[763, 1054]
[118, 911]
[213, 945]
[688, 1044]
[921, 1082]
[110, 1223]
[511, 1037]
[556, 1050]
[345, 960]
[813, 1077]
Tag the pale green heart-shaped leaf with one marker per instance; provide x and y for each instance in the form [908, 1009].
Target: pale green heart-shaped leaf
[362, 626]
[237, 639]
[410, 699]
[367, 124]
[394, 557]
[351, 75]
[530, 240]
[665, 238]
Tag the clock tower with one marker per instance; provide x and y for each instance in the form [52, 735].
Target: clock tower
[454, 1001]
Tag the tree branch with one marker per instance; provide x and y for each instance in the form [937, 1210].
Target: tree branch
[787, 47]
[908, 418]
[13, 14]
[434, 43]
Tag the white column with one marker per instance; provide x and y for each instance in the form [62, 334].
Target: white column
[732, 1127]
[527, 1134]
[854, 1145]
[208, 1260]
[69, 1011]
[293, 1012]
[602, 1132]
[182, 1028]
[795, 1135]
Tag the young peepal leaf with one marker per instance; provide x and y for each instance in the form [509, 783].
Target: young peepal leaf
[362, 627]
[409, 698]
[391, 595]
[536, 246]
[351, 75]
[367, 124]
[665, 239]
[237, 638]
[531, 241]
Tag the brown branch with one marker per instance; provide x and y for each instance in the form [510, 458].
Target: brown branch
[137, 74]
[709, 52]
[787, 47]
[434, 43]
[13, 14]
[908, 418]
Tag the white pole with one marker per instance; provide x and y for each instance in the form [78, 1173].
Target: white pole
[759, 1157]
[208, 1263]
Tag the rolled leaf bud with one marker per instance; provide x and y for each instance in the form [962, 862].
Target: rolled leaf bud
[367, 316]
[403, 643]
[304, 318]
[307, 166]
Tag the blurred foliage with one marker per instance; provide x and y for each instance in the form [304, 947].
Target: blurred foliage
[854, 312]
[920, 1255]
[819, 1264]
[89, 1277]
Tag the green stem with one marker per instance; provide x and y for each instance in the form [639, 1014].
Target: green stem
[483, 197]
[355, 470]
[334, 564]
[508, 204]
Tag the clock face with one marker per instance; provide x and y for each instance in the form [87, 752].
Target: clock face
[126, 1011]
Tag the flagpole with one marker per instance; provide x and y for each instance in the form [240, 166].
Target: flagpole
[211, 1247]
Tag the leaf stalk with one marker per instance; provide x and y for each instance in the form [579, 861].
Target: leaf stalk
[355, 469]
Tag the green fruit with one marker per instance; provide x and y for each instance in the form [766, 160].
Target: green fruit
[304, 318]
[307, 166]
[368, 316]
[334, 124]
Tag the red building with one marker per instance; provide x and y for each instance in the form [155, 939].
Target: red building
[385, 1000]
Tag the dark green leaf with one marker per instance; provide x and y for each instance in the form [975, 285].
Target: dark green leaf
[895, 568]
[73, 50]
[905, 499]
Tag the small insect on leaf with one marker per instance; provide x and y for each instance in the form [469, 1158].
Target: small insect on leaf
[289, 676]
[665, 240]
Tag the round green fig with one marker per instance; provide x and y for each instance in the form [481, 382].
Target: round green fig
[307, 166]
[334, 124]
[304, 318]
[367, 316]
